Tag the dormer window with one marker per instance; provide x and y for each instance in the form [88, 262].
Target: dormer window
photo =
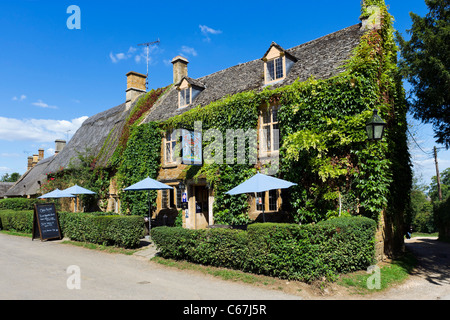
[275, 69]
[185, 97]
[188, 90]
[277, 63]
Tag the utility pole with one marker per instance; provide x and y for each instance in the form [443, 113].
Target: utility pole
[148, 44]
[438, 178]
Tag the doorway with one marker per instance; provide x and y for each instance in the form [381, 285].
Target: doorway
[201, 195]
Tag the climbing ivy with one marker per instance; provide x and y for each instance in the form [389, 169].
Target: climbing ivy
[140, 159]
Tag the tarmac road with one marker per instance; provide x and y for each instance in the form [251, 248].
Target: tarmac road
[35, 270]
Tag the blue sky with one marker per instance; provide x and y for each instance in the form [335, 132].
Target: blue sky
[53, 78]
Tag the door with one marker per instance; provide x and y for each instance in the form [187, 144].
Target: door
[201, 206]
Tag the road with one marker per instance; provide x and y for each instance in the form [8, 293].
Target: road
[35, 270]
[430, 280]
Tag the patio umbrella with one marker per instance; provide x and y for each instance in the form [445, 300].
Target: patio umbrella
[76, 190]
[56, 194]
[148, 184]
[260, 183]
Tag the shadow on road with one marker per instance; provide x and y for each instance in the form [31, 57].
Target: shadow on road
[433, 259]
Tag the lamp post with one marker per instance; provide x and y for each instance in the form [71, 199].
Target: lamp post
[375, 127]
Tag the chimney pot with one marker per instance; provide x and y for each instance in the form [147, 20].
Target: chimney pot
[135, 87]
[179, 68]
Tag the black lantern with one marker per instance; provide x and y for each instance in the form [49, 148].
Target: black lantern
[375, 127]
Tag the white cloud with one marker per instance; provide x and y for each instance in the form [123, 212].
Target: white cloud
[189, 50]
[21, 98]
[38, 130]
[134, 53]
[206, 31]
[4, 169]
[42, 104]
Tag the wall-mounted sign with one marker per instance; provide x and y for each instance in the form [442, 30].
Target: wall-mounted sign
[191, 144]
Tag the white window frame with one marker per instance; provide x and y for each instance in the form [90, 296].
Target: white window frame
[182, 93]
[267, 126]
[276, 75]
[170, 142]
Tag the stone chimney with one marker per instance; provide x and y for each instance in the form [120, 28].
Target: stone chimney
[179, 68]
[35, 159]
[41, 154]
[30, 163]
[135, 87]
[59, 145]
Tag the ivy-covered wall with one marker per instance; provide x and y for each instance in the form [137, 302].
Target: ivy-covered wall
[323, 146]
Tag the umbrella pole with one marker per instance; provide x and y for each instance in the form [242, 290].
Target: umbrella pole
[149, 214]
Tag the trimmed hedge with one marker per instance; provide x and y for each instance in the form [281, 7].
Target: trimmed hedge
[122, 231]
[97, 227]
[18, 204]
[20, 221]
[287, 251]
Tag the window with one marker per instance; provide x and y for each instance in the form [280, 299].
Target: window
[274, 69]
[261, 201]
[273, 197]
[185, 97]
[269, 135]
[171, 142]
[267, 200]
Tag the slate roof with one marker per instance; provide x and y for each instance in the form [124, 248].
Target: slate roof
[320, 58]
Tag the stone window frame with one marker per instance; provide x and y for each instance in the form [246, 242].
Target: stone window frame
[276, 66]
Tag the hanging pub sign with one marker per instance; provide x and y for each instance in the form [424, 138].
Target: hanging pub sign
[45, 222]
[191, 144]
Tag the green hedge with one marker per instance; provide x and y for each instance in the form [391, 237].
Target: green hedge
[122, 231]
[20, 221]
[287, 251]
[98, 227]
[18, 204]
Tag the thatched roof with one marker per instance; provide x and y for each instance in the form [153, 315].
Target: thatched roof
[5, 186]
[320, 58]
[89, 139]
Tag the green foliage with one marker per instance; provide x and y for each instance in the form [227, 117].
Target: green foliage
[425, 64]
[96, 227]
[121, 231]
[16, 220]
[441, 211]
[13, 177]
[139, 160]
[239, 111]
[18, 204]
[287, 251]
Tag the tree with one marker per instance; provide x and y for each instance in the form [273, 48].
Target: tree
[10, 178]
[445, 186]
[425, 63]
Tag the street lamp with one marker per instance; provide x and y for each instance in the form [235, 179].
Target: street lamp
[375, 127]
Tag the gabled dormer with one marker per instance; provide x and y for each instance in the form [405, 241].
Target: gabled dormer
[188, 90]
[277, 63]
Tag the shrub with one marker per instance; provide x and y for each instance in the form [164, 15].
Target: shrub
[18, 204]
[287, 251]
[121, 231]
[95, 227]
[20, 221]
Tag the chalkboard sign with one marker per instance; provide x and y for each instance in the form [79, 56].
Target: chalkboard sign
[45, 222]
